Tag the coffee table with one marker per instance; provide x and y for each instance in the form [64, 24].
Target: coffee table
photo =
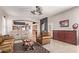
[28, 44]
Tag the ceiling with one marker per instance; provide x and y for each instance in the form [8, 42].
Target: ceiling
[23, 12]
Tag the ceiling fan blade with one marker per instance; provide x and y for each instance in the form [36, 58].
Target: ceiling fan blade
[33, 12]
[40, 13]
[39, 10]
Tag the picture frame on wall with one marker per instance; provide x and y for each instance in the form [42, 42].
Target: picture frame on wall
[64, 23]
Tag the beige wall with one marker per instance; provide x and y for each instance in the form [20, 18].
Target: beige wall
[72, 15]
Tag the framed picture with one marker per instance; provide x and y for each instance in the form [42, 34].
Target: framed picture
[64, 23]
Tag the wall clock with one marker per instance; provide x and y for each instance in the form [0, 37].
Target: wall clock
[75, 26]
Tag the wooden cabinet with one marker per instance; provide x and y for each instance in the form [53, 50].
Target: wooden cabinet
[70, 37]
[65, 36]
[55, 36]
[34, 32]
[61, 35]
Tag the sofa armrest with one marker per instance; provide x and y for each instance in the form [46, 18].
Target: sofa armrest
[6, 45]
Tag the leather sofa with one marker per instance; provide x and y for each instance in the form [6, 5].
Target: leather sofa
[6, 43]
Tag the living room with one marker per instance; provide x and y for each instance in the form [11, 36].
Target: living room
[39, 29]
[20, 29]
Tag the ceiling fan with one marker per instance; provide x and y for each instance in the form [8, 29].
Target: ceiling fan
[38, 10]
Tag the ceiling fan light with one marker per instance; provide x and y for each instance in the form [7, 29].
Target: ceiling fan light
[37, 11]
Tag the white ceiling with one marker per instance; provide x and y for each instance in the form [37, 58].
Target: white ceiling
[24, 11]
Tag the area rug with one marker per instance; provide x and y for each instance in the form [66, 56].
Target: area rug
[18, 48]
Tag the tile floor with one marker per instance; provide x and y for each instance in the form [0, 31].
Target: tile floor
[61, 47]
